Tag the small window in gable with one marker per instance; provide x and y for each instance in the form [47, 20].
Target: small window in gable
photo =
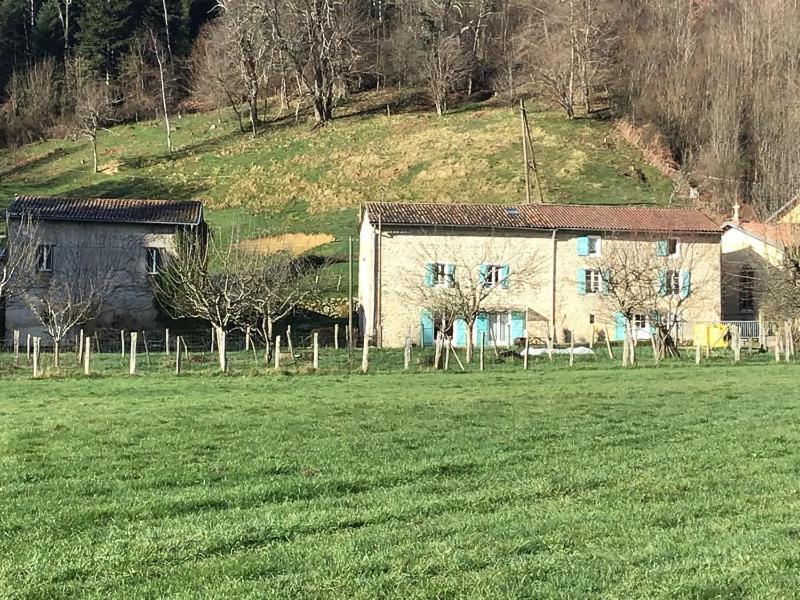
[44, 258]
[153, 261]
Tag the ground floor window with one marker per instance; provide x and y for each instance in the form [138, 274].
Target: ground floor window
[498, 324]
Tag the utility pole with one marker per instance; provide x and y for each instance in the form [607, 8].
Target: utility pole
[529, 157]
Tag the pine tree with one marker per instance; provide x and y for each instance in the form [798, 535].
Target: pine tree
[106, 28]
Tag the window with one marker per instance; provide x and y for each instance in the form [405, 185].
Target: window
[498, 326]
[672, 283]
[672, 247]
[594, 245]
[439, 275]
[493, 275]
[640, 321]
[594, 281]
[44, 258]
[153, 261]
[746, 290]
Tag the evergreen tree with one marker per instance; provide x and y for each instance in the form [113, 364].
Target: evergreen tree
[105, 30]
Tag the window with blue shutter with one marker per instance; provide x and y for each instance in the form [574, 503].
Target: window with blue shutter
[686, 284]
[580, 281]
[481, 328]
[620, 323]
[662, 283]
[426, 328]
[661, 248]
[429, 274]
[504, 276]
[460, 333]
[517, 325]
[482, 276]
[583, 246]
[606, 283]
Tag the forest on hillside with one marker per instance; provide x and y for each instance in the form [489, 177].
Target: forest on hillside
[715, 81]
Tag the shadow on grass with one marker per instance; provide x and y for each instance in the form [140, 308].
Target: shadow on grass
[137, 187]
[51, 156]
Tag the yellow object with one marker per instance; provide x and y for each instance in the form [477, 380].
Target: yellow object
[712, 336]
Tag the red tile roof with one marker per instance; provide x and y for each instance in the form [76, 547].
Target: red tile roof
[108, 210]
[545, 216]
[777, 234]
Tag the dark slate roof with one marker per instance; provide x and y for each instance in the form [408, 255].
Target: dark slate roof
[545, 216]
[108, 210]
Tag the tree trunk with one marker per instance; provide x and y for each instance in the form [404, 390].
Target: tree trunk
[55, 352]
[222, 349]
[252, 101]
[94, 152]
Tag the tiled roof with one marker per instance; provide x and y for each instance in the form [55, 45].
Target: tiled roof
[777, 234]
[108, 210]
[545, 216]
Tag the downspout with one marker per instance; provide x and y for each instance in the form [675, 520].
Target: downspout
[379, 286]
[553, 289]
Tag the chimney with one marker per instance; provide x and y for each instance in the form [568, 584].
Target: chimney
[735, 218]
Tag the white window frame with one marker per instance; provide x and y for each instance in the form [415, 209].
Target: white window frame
[594, 281]
[598, 245]
[44, 258]
[640, 322]
[153, 257]
[673, 276]
[494, 276]
[504, 327]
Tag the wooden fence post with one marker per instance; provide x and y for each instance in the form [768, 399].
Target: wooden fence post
[447, 342]
[289, 341]
[178, 355]
[247, 339]
[132, 354]
[438, 351]
[788, 351]
[278, 352]
[336, 336]
[28, 346]
[16, 346]
[777, 345]
[213, 336]
[365, 355]
[407, 354]
[87, 354]
[591, 339]
[527, 348]
[80, 346]
[166, 341]
[316, 351]
[572, 350]
[122, 342]
[36, 349]
[608, 344]
[697, 354]
[483, 346]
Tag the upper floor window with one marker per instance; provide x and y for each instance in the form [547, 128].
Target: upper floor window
[672, 282]
[153, 261]
[669, 247]
[594, 281]
[494, 276]
[589, 245]
[440, 275]
[44, 258]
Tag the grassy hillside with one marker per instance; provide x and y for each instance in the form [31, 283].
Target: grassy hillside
[295, 179]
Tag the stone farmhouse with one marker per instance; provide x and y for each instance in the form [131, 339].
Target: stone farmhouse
[549, 268]
[119, 242]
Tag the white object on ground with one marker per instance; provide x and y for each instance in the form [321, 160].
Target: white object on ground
[579, 351]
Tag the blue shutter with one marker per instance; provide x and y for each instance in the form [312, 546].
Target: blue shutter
[426, 328]
[517, 325]
[662, 283]
[619, 326]
[583, 246]
[661, 248]
[429, 275]
[481, 328]
[460, 333]
[504, 276]
[580, 281]
[686, 284]
[482, 279]
[451, 275]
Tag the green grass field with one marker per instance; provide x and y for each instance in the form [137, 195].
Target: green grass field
[592, 482]
[292, 179]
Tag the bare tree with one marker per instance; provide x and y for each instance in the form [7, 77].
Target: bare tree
[445, 67]
[214, 279]
[18, 260]
[319, 41]
[163, 68]
[93, 106]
